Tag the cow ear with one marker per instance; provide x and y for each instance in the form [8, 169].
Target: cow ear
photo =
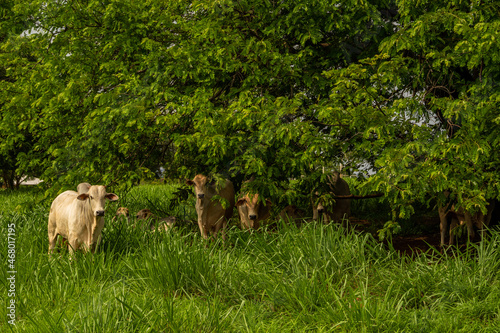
[189, 182]
[111, 197]
[268, 202]
[83, 196]
[240, 202]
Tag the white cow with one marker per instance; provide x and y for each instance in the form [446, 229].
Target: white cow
[79, 218]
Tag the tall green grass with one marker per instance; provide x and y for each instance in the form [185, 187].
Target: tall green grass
[160, 199]
[315, 278]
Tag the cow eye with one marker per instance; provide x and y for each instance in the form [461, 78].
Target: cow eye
[91, 198]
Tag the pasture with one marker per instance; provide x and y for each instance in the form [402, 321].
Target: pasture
[317, 278]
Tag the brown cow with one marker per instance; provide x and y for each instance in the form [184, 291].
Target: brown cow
[342, 208]
[292, 213]
[79, 218]
[252, 211]
[461, 217]
[212, 216]
[165, 223]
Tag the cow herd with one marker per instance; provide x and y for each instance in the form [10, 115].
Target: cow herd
[450, 215]
[78, 217]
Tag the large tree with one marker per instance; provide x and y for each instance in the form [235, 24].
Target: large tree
[123, 88]
[431, 95]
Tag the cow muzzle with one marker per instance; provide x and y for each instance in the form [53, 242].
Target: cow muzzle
[252, 217]
[321, 211]
[201, 195]
[99, 213]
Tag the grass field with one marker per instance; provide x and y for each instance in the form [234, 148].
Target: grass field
[311, 279]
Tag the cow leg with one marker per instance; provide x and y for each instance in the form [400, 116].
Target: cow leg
[73, 245]
[483, 221]
[52, 242]
[481, 225]
[214, 230]
[443, 222]
[315, 214]
[220, 225]
[52, 233]
[453, 225]
[487, 218]
[62, 242]
[470, 227]
[223, 231]
[87, 247]
[478, 221]
[203, 230]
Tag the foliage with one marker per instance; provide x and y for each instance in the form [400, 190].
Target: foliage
[390, 228]
[16, 138]
[430, 97]
[221, 87]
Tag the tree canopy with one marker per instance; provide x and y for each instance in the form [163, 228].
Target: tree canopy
[402, 94]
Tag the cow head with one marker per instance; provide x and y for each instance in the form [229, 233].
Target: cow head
[317, 202]
[123, 211]
[203, 186]
[320, 208]
[144, 214]
[253, 205]
[334, 178]
[97, 197]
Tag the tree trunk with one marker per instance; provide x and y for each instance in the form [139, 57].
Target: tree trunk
[18, 181]
[9, 179]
